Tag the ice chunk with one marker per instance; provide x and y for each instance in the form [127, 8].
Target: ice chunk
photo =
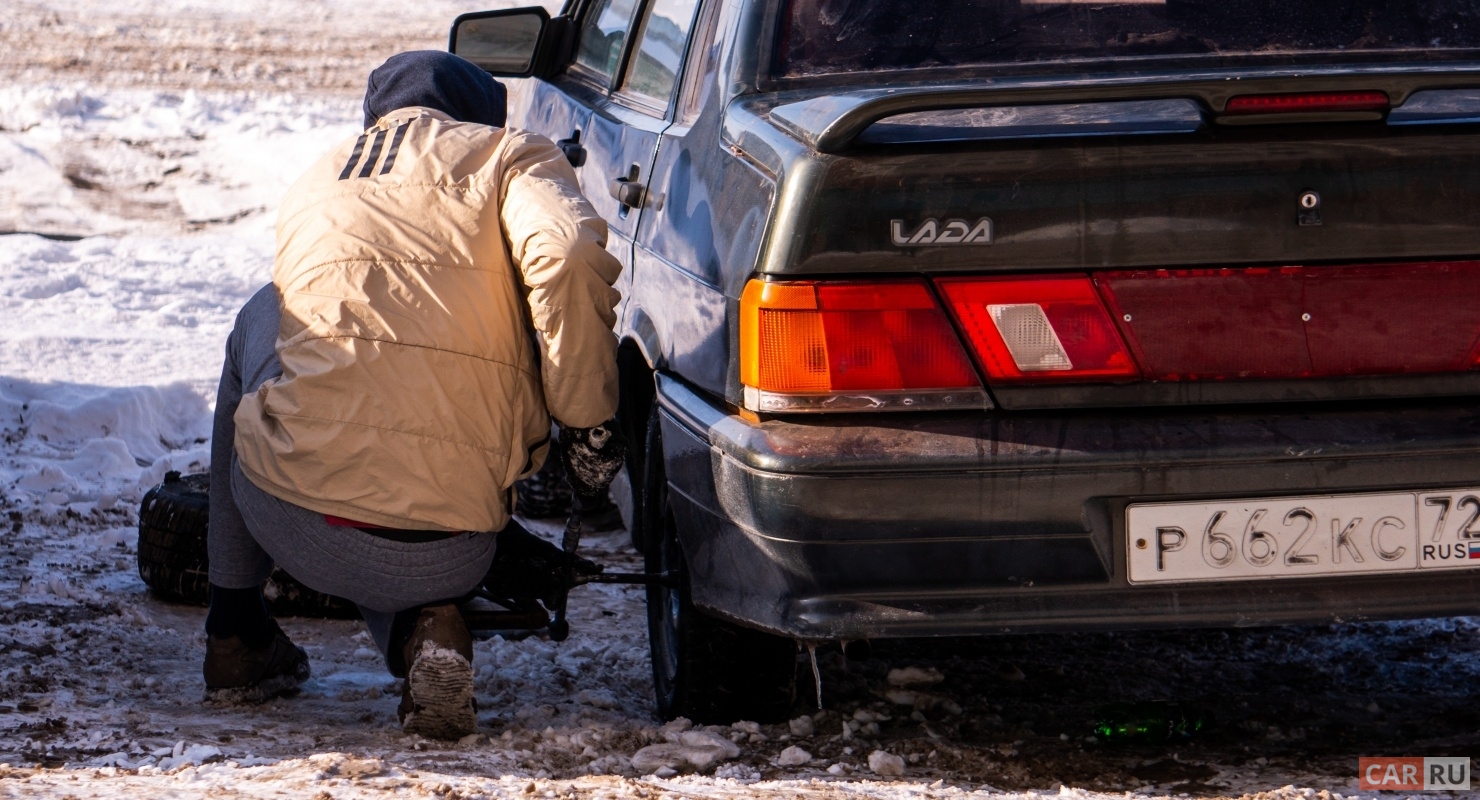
[597, 698]
[885, 764]
[914, 676]
[696, 751]
[738, 772]
[900, 697]
[793, 757]
[47, 479]
[191, 755]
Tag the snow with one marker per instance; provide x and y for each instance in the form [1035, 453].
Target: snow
[793, 756]
[138, 190]
[136, 161]
[885, 764]
[914, 676]
[685, 751]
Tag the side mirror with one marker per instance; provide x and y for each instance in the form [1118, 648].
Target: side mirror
[507, 44]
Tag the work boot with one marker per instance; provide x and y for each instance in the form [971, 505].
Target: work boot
[437, 701]
[237, 672]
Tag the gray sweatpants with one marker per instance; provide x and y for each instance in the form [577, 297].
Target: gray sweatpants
[250, 530]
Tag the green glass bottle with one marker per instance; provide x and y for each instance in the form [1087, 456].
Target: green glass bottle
[1151, 722]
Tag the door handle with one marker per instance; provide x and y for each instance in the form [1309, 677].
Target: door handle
[574, 152]
[626, 190]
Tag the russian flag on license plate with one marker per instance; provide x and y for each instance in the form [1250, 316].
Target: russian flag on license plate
[1474, 549]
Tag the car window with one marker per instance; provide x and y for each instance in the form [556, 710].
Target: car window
[819, 37]
[602, 36]
[703, 61]
[660, 49]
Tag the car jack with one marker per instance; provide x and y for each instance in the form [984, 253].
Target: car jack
[531, 585]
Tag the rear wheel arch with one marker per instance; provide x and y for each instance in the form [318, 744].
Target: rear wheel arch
[636, 395]
[705, 668]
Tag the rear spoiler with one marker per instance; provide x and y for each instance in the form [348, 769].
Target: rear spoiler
[1124, 103]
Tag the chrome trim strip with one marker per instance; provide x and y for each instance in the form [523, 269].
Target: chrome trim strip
[1176, 115]
[1438, 106]
[964, 399]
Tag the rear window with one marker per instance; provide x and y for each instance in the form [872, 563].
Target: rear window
[823, 37]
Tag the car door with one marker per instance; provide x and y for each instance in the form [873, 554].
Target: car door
[577, 111]
[685, 229]
[560, 107]
[625, 127]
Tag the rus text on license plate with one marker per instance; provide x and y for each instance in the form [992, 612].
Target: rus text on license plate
[1289, 537]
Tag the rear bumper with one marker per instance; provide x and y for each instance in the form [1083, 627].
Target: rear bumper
[929, 525]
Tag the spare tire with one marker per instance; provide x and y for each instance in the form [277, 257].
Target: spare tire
[172, 539]
[175, 565]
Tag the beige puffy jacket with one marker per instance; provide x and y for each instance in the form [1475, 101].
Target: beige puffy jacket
[409, 262]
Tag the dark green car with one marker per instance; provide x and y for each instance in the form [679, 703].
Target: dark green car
[951, 318]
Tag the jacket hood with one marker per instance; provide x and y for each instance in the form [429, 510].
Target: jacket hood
[437, 80]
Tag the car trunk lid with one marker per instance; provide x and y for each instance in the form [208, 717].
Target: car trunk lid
[1307, 261]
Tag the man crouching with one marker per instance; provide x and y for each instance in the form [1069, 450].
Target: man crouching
[381, 397]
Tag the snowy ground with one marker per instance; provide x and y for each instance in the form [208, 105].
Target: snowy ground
[142, 154]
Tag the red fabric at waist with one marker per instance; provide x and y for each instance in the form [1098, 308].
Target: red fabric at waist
[394, 534]
[341, 522]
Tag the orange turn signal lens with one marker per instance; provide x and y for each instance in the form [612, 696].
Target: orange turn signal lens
[848, 336]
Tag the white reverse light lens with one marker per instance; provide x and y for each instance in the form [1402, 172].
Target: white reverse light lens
[1029, 336]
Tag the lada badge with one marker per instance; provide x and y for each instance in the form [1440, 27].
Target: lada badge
[937, 232]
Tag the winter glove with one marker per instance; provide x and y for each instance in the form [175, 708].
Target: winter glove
[592, 457]
[526, 566]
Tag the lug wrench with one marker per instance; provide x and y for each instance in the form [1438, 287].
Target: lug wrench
[570, 541]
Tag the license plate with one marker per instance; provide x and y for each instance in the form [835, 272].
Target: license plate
[1291, 537]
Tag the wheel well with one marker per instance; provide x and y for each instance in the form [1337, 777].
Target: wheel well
[636, 391]
[636, 394]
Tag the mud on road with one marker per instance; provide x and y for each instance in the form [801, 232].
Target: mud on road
[1287, 705]
[94, 672]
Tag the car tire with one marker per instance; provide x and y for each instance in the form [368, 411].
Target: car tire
[172, 542]
[175, 565]
[546, 493]
[709, 670]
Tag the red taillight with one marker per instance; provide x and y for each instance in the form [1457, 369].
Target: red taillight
[820, 338]
[1039, 329]
[1299, 322]
[1392, 318]
[1192, 324]
[1306, 102]
[856, 345]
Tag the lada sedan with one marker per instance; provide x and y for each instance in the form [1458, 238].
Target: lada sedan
[959, 318]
